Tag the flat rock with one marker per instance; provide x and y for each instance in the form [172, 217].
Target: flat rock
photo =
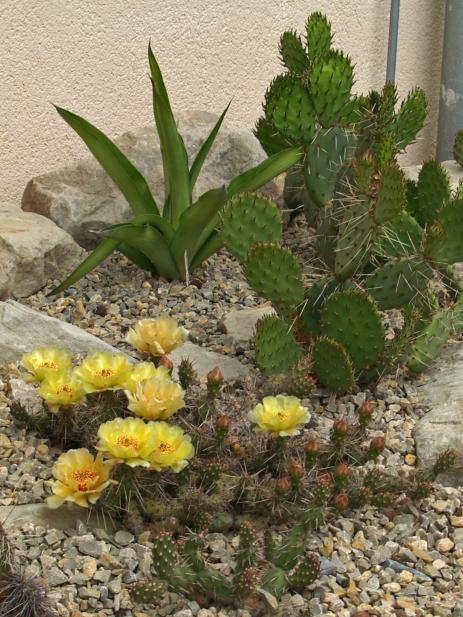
[442, 426]
[204, 360]
[82, 199]
[23, 329]
[240, 324]
[454, 170]
[32, 250]
[66, 517]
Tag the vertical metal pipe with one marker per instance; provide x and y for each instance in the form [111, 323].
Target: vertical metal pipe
[393, 37]
[451, 87]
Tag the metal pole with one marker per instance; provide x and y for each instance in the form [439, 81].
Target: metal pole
[393, 36]
[451, 87]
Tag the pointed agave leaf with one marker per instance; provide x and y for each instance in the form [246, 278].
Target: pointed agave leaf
[151, 243]
[136, 257]
[125, 175]
[213, 244]
[256, 177]
[175, 158]
[204, 150]
[163, 226]
[196, 225]
[102, 251]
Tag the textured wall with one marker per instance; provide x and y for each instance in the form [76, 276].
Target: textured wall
[90, 56]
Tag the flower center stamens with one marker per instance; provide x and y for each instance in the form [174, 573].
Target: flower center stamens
[82, 476]
[282, 415]
[165, 447]
[66, 388]
[105, 372]
[49, 365]
[128, 442]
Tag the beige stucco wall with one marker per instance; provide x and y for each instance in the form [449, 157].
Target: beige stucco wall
[90, 56]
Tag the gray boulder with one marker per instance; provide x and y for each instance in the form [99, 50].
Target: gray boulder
[82, 199]
[23, 329]
[32, 251]
[442, 427]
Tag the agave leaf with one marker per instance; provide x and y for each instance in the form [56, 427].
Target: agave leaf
[154, 220]
[205, 148]
[213, 244]
[125, 175]
[151, 243]
[174, 155]
[196, 224]
[257, 176]
[102, 251]
[136, 257]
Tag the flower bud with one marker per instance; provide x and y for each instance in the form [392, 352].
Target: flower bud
[214, 382]
[312, 452]
[377, 445]
[223, 422]
[365, 412]
[342, 471]
[167, 362]
[341, 429]
[341, 501]
[296, 473]
[282, 487]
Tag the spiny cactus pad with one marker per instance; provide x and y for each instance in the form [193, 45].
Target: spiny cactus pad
[445, 243]
[148, 592]
[325, 156]
[330, 83]
[332, 365]
[357, 233]
[396, 283]
[315, 296]
[410, 119]
[275, 273]
[289, 108]
[248, 219]
[430, 342]
[319, 37]
[458, 147]
[305, 572]
[433, 191]
[402, 237]
[270, 139]
[391, 194]
[292, 53]
[275, 346]
[351, 318]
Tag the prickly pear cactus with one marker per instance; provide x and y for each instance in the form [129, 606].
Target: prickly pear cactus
[332, 365]
[458, 147]
[430, 342]
[275, 346]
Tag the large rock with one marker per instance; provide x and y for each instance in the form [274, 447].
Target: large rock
[453, 169]
[82, 199]
[23, 329]
[241, 324]
[204, 361]
[66, 517]
[442, 427]
[32, 250]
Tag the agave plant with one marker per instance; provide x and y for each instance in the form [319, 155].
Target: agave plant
[172, 241]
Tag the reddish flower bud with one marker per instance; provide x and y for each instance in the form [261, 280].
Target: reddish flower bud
[312, 447]
[377, 445]
[365, 412]
[341, 429]
[296, 473]
[282, 486]
[167, 362]
[342, 471]
[223, 422]
[326, 479]
[215, 376]
[341, 501]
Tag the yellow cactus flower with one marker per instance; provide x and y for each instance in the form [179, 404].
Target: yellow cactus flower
[173, 448]
[157, 336]
[280, 415]
[127, 440]
[61, 390]
[46, 361]
[79, 477]
[156, 399]
[103, 371]
[142, 372]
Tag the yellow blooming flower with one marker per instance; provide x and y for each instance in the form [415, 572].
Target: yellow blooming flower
[103, 371]
[156, 399]
[157, 336]
[172, 448]
[61, 390]
[46, 361]
[79, 477]
[280, 415]
[142, 372]
[127, 440]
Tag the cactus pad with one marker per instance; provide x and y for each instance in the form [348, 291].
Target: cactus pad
[391, 194]
[433, 191]
[330, 82]
[430, 342]
[270, 139]
[444, 242]
[398, 282]
[275, 273]
[248, 219]
[275, 346]
[326, 155]
[313, 302]
[319, 36]
[410, 119]
[288, 107]
[292, 53]
[355, 240]
[402, 237]
[148, 592]
[458, 147]
[164, 554]
[332, 365]
[351, 318]
[306, 572]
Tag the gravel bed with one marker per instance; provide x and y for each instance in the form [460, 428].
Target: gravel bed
[404, 563]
